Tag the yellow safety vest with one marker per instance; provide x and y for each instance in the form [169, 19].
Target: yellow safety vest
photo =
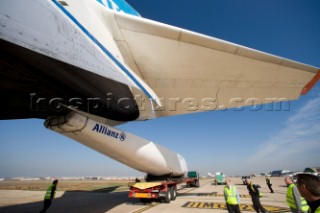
[291, 201]
[231, 195]
[316, 211]
[268, 181]
[47, 196]
[260, 193]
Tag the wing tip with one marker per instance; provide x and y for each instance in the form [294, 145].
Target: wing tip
[311, 83]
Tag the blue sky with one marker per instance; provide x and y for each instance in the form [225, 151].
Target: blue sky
[229, 141]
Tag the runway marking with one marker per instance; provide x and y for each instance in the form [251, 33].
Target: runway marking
[243, 207]
[187, 191]
[146, 208]
[215, 194]
[245, 196]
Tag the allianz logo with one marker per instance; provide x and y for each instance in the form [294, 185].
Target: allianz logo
[106, 131]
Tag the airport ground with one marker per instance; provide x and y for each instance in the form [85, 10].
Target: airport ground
[104, 196]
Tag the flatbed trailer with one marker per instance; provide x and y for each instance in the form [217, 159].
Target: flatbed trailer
[164, 191]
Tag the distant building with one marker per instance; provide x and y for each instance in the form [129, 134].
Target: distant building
[29, 179]
[280, 173]
[46, 178]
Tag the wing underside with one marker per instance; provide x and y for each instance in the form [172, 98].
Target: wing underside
[66, 58]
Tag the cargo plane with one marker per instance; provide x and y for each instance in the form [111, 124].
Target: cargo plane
[86, 66]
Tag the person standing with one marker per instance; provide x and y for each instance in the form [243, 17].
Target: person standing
[48, 197]
[309, 187]
[268, 181]
[231, 197]
[255, 196]
[296, 203]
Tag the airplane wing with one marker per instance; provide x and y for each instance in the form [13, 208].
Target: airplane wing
[191, 72]
[100, 68]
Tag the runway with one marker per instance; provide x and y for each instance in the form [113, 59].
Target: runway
[206, 198]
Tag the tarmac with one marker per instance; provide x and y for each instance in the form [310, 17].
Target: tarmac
[206, 198]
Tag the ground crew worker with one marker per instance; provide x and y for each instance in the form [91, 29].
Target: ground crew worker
[231, 197]
[268, 181]
[296, 203]
[255, 196]
[51, 191]
[309, 188]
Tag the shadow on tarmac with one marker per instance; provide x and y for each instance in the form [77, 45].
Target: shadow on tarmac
[197, 194]
[107, 190]
[72, 201]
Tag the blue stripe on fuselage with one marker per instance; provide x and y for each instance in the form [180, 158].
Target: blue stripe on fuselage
[119, 64]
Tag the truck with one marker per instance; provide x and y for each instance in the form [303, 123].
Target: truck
[219, 178]
[164, 190]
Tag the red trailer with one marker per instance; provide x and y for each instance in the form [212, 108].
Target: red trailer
[164, 191]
